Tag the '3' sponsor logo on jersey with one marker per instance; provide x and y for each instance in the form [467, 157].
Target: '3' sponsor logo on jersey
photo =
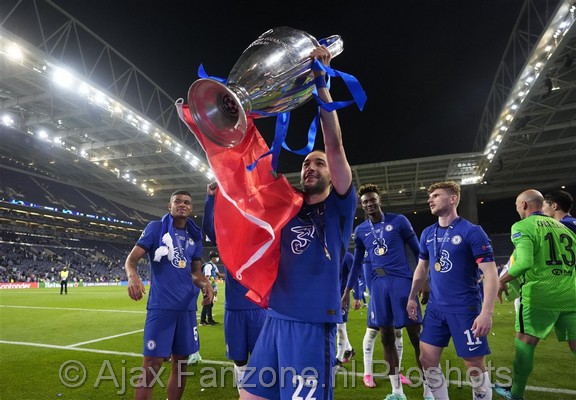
[304, 235]
[445, 262]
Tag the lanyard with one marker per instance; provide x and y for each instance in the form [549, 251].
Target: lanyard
[379, 239]
[182, 236]
[438, 251]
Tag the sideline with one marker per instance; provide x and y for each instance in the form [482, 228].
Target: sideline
[227, 363]
[105, 338]
[76, 309]
[98, 351]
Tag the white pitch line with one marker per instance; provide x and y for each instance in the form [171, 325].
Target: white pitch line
[53, 346]
[467, 383]
[50, 346]
[105, 338]
[458, 383]
[120, 353]
[550, 390]
[529, 388]
[76, 309]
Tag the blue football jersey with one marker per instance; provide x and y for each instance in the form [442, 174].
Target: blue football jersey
[570, 222]
[171, 286]
[307, 287]
[384, 242]
[453, 253]
[236, 295]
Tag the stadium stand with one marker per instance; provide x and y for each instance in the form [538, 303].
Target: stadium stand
[46, 224]
[17, 185]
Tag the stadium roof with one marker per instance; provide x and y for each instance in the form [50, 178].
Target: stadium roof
[75, 109]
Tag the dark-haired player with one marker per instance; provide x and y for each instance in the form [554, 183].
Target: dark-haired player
[174, 247]
[383, 237]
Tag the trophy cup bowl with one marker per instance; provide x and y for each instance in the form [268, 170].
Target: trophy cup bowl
[273, 75]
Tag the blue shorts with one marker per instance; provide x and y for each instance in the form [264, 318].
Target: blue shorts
[345, 315]
[169, 332]
[387, 307]
[438, 327]
[292, 360]
[241, 329]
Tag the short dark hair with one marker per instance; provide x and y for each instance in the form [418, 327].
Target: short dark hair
[368, 188]
[181, 191]
[560, 197]
[213, 254]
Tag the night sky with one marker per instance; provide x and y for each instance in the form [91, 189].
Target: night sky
[426, 66]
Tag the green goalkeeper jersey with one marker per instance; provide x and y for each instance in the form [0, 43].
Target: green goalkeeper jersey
[545, 262]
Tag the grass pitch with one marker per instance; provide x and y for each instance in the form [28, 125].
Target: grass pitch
[87, 346]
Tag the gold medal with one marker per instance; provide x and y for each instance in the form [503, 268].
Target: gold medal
[380, 251]
[437, 267]
[182, 264]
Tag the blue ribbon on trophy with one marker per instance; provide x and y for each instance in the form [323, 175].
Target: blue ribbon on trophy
[258, 87]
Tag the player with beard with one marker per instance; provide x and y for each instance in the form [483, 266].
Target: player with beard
[295, 352]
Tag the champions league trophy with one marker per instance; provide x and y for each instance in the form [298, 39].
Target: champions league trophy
[273, 75]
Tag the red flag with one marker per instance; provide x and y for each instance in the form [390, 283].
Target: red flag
[251, 208]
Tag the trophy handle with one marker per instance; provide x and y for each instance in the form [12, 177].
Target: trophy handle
[333, 43]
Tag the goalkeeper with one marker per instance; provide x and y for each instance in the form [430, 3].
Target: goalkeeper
[544, 258]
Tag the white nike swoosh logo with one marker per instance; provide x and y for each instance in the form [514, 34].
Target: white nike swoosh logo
[473, 348]
[366, 234]
[429, 240]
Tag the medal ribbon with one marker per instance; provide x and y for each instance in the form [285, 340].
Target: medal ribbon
[182, 233]
[379, 240]
[438, 251]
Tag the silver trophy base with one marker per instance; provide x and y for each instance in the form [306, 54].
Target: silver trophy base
[218, 112]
